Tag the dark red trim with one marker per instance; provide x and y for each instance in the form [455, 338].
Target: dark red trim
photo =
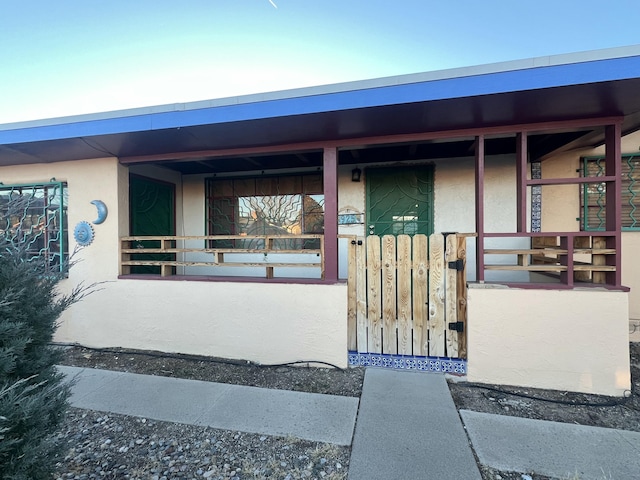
[330, 182]
[211, 278]
[479, 178]
[613, 168]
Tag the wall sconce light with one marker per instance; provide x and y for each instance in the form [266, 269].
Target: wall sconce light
[355, 174]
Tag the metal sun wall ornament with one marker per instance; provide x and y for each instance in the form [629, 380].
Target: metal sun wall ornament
[83, 233]
[102, 211]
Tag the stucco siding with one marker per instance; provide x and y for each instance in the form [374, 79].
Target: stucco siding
[558, 339]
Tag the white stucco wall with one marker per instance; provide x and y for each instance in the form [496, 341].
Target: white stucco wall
[266, 323]
[573, 340]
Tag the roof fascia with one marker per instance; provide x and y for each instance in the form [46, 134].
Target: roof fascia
[551, 76]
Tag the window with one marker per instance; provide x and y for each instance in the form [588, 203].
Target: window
[283, 205]
[34, 217]
[593, 195]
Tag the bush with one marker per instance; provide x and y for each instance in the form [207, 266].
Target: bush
[33, 396]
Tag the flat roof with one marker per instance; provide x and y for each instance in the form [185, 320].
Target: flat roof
[543, 89]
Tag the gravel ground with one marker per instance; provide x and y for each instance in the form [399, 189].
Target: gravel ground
[121, 447]
[110, 446]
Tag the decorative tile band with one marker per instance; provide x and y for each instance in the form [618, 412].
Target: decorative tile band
[536, 198]
[409, 362]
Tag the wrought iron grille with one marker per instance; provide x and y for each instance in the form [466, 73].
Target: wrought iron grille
[33, 217]
[593, 195]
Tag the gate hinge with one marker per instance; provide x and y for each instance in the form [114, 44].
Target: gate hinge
[457, 326]
[458, 265]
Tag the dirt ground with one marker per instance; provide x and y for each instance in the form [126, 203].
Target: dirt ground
[552, 405]
[283, 377]
[558, 406]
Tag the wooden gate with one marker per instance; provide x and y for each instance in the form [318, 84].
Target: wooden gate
[407, 295]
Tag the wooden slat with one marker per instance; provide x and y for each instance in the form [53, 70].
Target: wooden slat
[594, 268]
[352, 333]
[268, 242]
[405, 342]
[361, 287]
[599, 260]
[124, 257]
[548, 251]
[436, 296]
[528, 268]
[175, 263]
[223, 237]
[529, 251]
[451, 285]
[322, 262]
[219, 250]
[595, 251]
[420, 294]
[374, 299]
[389, 292]
[461, 292]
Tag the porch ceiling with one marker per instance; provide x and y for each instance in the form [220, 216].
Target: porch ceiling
[591, 85]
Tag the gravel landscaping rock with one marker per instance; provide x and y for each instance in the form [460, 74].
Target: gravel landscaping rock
[113, 446]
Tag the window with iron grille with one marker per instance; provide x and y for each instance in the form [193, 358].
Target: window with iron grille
[33, 217]
[278, 205]
[593, 195]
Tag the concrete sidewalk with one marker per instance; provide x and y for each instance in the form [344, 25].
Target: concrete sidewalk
[553, 449]
[407, 425]
[319, 418]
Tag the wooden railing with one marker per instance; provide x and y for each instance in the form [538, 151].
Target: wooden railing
[574, 256]
[166, 253]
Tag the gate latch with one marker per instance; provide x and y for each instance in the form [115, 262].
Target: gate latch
[458, 265]
[457, 327]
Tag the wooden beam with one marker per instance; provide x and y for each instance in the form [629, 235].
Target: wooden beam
[330, 182]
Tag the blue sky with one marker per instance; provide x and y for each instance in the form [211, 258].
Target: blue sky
[70, 57]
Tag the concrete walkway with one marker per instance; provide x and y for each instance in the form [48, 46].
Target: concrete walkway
[407, 425]
[319, 418]
[554, 449]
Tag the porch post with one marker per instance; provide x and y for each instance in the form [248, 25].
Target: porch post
[479, 149]
[613, 168]
[330, 182]
[521, 181]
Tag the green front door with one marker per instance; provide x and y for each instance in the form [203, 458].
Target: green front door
[399, 200]
[152, 212]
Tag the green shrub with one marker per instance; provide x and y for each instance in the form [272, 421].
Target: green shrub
[33, 397]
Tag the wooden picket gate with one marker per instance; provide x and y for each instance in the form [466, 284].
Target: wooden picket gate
[407, 295]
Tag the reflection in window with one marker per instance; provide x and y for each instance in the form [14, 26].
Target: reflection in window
[405, 224]
[288, 205]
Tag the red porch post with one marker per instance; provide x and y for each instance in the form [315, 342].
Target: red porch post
[613, 168]
[330, 179]
[521, 181]
[479, 148]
